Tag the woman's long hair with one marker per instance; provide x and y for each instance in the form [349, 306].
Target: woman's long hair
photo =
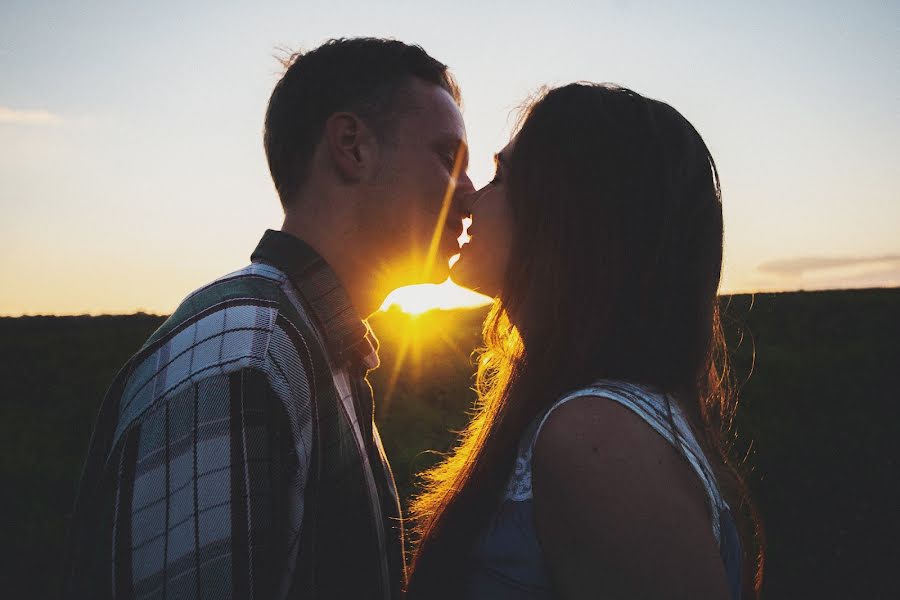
[615, 265]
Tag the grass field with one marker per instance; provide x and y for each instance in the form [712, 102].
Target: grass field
[821, 408]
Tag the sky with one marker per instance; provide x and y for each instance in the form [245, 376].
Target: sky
[131, 161]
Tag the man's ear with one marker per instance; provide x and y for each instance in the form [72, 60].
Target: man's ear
[351, 145]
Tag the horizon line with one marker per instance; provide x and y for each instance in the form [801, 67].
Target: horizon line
[145, 312]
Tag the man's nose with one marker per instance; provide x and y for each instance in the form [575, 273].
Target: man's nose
[464, 184]
[465, 191]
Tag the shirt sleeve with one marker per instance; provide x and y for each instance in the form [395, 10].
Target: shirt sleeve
[205, 492]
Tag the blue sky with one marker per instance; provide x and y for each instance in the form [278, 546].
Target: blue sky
[131, 161]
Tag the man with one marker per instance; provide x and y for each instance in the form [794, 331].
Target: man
[235, 456]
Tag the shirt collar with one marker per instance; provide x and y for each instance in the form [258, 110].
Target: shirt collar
[346, 335]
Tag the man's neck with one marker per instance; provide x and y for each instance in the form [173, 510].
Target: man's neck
[358, 271]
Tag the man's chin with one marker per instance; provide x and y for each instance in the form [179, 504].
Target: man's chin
[438, 273]
[440, 269]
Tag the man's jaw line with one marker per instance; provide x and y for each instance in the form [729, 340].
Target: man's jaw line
[369, 279]
[362, 278]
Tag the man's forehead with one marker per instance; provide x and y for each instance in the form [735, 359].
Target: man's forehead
[431, 108]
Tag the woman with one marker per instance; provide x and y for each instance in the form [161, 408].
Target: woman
[596, 464]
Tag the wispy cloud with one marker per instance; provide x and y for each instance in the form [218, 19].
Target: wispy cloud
[12, 116]
[799, 266]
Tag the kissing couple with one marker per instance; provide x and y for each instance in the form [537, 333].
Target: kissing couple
[236, 456]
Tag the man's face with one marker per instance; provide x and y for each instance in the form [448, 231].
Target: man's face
[402, 212]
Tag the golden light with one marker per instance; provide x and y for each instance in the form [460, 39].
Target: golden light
[418, 299]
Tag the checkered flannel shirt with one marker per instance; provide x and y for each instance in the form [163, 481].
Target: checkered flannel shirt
[194, 484]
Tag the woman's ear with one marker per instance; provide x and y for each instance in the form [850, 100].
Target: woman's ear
[352, 147]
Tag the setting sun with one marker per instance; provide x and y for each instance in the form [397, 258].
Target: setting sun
[417, 299]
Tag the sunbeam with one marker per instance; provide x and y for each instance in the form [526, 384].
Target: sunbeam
[421, 298]
[445, 210]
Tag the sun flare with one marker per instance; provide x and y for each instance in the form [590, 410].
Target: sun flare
[418, 299]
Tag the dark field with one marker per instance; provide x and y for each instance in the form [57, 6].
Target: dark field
[821, 408]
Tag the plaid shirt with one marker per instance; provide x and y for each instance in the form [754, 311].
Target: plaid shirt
[242, 427]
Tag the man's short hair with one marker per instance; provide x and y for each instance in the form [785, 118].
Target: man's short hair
[358, 75]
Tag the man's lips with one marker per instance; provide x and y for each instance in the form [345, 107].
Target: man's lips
[455, 227]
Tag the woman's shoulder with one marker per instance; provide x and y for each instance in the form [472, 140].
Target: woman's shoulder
[605, 402]
[626, 433]
[628, 436]
[607, 441]
[607, 483]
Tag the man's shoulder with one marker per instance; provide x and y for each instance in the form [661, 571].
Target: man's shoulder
[235, 323]
[256, 285]
[236, 309]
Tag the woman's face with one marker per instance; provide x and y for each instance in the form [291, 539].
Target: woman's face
[483, 260]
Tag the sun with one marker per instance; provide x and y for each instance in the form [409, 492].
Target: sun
[418, 299]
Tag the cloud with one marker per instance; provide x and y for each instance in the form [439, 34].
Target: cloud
[884, 277]
[11, 116]
[799, 266]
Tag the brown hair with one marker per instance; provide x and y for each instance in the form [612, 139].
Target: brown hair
[360, 75]
[615, 265]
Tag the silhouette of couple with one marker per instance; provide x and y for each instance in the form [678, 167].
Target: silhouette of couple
[235, 455]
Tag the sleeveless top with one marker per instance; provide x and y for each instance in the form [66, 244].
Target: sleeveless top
[507, 562]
